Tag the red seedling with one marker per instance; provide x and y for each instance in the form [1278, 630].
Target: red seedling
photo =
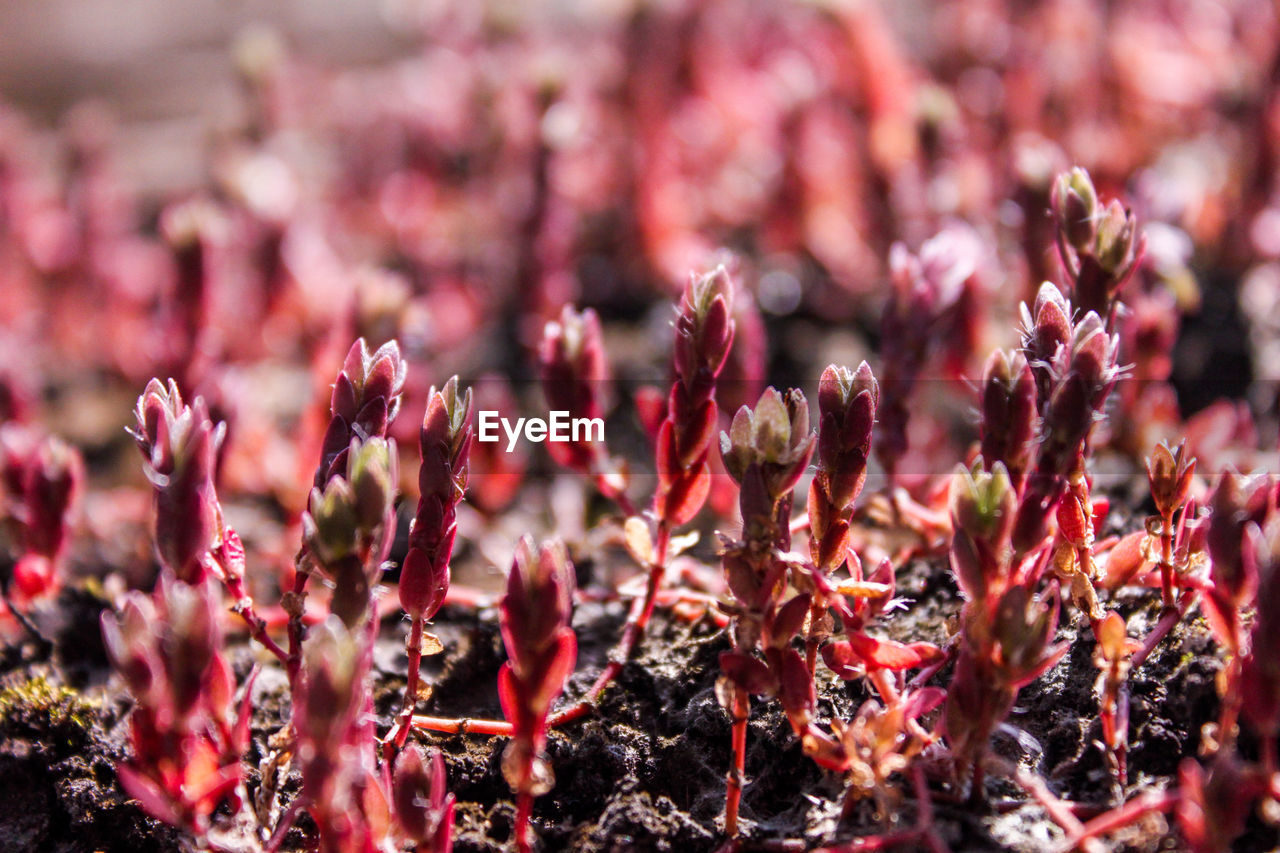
[445, 444]
[575, 375]
[542, 650]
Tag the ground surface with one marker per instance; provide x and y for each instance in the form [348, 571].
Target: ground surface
[646, 772]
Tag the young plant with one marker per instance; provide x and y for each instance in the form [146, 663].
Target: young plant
[186, 739]
[878, 743]
[1258, 683]
[1169, 472]
[39, 483]
[334, 740]
[766, 451]
[1099, 246]
[365, 399]
[1005, 629]
[1112, 660]
[542, 650]
[1074, 366]
[421, 802]
[1008, 406]
[704, 331]
[445, 443]
[179, 445]
[575, 373]
[926, 289]
[846, 411]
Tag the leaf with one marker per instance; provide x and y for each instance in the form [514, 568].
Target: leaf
[679, 544]
[749, 673]
[431, 644]
[842, 660]
[1126, 560]
[796, 691]
[922, 701]
[884, 654]
[638, 540]
[789, 620]
[507, 695]
[153, 800]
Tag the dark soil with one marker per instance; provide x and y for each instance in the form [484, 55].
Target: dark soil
[646, 771]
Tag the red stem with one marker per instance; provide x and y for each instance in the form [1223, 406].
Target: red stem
[297, 629]
[1169, 617]
[524, 811]
[733, 791]
[243, 607]
[414, 649]
[463, 725]
[1121, 817]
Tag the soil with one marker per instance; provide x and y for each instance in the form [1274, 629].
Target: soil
[646, 771]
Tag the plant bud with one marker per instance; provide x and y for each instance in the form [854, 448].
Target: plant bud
[1075, 205]
[422, 805]
[704, 327]
[1169, 473]
[1116, 239]
[1008, 413]
[180, 445]
[366, 398]
[775, 437]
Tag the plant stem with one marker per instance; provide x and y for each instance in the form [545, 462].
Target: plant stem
[463, 725]
[524, 811]
[1169, 617]
[1120, 818]
[414, 648]
[737, 770]
[243, 608]
[295, 605]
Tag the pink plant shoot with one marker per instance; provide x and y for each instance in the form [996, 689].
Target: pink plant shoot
[348, 527]
[704, 335]
[926, 288]
[1005, 629]
[186, 738]
[445, 444]
[179, 444]
[335, 739]
[542, 650]
[1008, 407]
[1099, 246]
[847, 402]
[575, 375]
[39, 484]
[421, 802]
[366, 399]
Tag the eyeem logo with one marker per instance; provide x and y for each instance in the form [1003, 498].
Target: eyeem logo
[559, 427]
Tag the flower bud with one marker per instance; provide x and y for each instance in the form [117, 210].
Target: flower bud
[1075, 205]
[366, 398]
[1169, 472]
[180, 444]
[774, 436]
[1008, 413]
[445, 443]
